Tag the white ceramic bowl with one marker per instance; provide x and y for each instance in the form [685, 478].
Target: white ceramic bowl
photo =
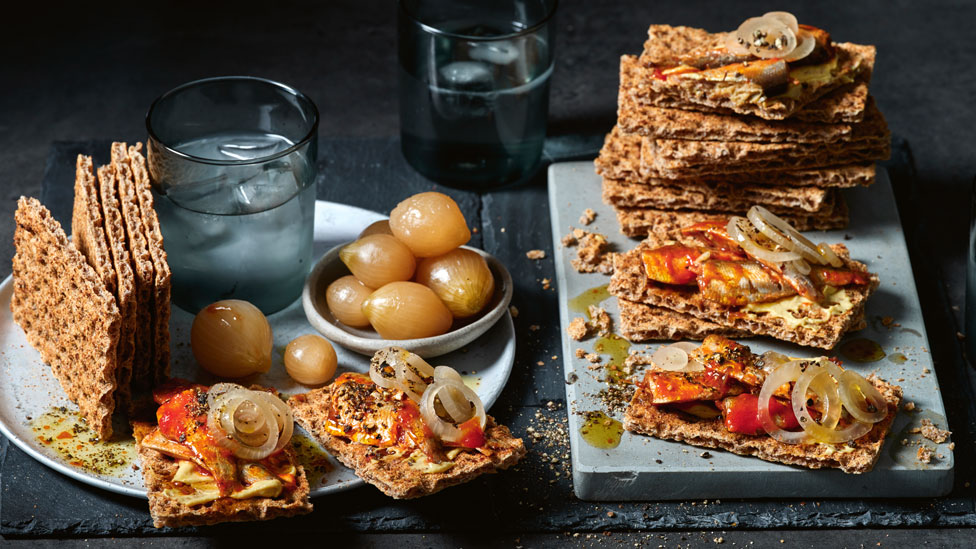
[366, 341]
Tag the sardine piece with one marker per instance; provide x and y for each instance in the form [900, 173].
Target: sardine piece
[670, 387]
[729, 358]
[673, 264]
[737, 283]
[713, 234]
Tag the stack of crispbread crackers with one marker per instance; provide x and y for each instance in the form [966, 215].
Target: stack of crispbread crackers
[688, 150]
[97, 307]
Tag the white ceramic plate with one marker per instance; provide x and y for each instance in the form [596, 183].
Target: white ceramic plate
[28, 389]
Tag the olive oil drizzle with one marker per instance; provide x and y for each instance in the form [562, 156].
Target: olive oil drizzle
[618, 349]
[601, 431]
[312, 458]
[593, 296]
[64, 432]
[862, 350]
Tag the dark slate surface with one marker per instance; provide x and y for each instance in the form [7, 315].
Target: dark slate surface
[39, 502]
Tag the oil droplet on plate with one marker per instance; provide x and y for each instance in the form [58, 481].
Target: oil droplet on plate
[312, 458]
[617, 348]
[601, 431]
[897, 358]
[862, 350]
[593, 296]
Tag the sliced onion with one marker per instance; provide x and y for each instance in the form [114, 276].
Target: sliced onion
[782, 375]
[670, 358]
[734, 45]
[772, 360]
[446, 392]
[805, 44]
[782, 233]
[266, 413]
[442, 373]
[855, 391]
[771, 28]
[382, 369]
[283, 416]
[826, 391]
[828, 254]
[739, 230]
[222, 424]
[784, 17]
[801, 266]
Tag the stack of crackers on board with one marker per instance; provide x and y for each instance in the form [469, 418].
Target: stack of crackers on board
[708, 128]
[97, 307]
[687, 148]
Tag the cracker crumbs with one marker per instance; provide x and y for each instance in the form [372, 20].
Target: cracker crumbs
[535, 254]
[580, 353]
[546, 284]
[909, 406]
[513, 310]
[924, 454]
[577, 329]
[933, 433]
[593, 254]
[593, 358]
[600, 322]
[588, 216]
[573, 237]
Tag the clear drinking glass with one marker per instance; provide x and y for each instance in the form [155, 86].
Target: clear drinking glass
[232, 163]
[970, 312]
[474, 88]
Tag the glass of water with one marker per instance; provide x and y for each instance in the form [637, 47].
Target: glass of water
[474, 88]
[232, 164]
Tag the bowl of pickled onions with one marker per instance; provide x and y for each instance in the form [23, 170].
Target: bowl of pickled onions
[408, 282]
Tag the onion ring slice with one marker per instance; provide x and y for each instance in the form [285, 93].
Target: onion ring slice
[805, 44]
[448, 430]
[784, 17]
[856, 391]
[782, 233]
[738, 229]
[782, 375]
[828, 253]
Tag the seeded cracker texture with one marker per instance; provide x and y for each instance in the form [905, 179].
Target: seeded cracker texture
[740, 95]
[142, 266]
[859, 457]
[639, 322]
[620, 158]
[162, 283]
[88, 236]
[630, 282]
[665, 123]
[665, 224]
[126, 291]
[158, 469]
[394, 477]
[672, 158]
[736, 198]
[66, 313]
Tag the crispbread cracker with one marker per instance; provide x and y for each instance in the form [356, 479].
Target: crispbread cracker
[88, 234]
[664, 224]
[661, 422]
[665, 43]
[158, 470]
[668, 123]
[66, 313]
[396, 478]
[87, 224]
[142, 267]
[639, 322]
[629, 281]
[869, 142]
[162, 283]
[125, 278]
[620, 158]
[717, 197]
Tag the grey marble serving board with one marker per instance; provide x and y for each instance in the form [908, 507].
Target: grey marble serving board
[647, 469]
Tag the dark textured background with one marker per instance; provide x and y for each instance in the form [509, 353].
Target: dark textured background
[77, 73]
